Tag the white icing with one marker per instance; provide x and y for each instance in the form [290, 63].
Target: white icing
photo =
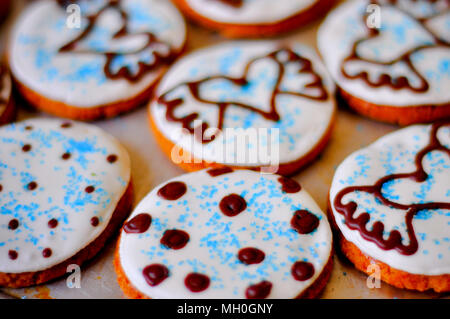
[392, 154]
[399, 33]
[215, 239]
[78, 79]
[304, 121]
[251, 11]
[60, 192]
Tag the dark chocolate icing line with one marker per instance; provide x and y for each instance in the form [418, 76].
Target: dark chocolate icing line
[194, 89]
[375, 235]
[233, 3]
[123, 72]
[384, 78]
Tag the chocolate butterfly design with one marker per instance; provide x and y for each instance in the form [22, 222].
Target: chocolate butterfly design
[160, 52]
[280, 57]
[394, 240]
[385, 79]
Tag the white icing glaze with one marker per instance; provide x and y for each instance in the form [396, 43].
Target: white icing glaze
[392, 154]
[60, 192]
[78, 79]
[399, 33]
[251, 11]
[215, 239]
[303, 122]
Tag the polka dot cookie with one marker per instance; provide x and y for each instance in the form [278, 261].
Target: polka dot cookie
[64, 189]
[253, 18]
[91, 59]
[7, 107]
[390, 58]
[220, 233]
[245, 104]
[391, 204]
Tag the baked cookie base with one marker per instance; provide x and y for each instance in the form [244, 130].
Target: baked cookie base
[61, 109]
[9, 113]
[394, 277]
[285, 169]
[26, 279]
[230, 30]
[397, 115]
[311, 292]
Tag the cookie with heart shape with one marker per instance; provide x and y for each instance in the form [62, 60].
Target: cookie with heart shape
[224, 234]
[397, 71]
[7, 106]
[65, 188]
[244, 104]
[253, 18]
[106, 65]
[391, 204]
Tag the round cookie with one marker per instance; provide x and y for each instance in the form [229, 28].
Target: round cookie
[397, 73]
[92, 59]
[224, 234]
[65, 188]
[245, 104]
[253, 18]
[7, 106]
[391, 204]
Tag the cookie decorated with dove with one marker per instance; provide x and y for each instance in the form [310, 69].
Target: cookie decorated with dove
[65, 188]
[391, 204]
[390, 58]
[224, 234]
[253, 18]
[93, 59]
[246, 104]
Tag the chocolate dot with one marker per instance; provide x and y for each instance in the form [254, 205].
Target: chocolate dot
[26, 148]
[32, 186]
[13, 224]
[251, 255]
[47, 252]
[111, 158]
[66, 156]
[232, 205]
[89, 189]
[172, 191]
[1, 187]
[288, 185]
[154, 274]
[259, 291]
[175, 239]
[28, 127]
[12, 254]
[196, 282]
[304, 222]
[219, 171]
[302, 270]
[138, 224]
[95, 221]
[52, 223]
[66, 125]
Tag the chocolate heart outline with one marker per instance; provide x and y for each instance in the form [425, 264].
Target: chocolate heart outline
[385, 79]
[375, 235]
[124, 72]
[194, 89]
